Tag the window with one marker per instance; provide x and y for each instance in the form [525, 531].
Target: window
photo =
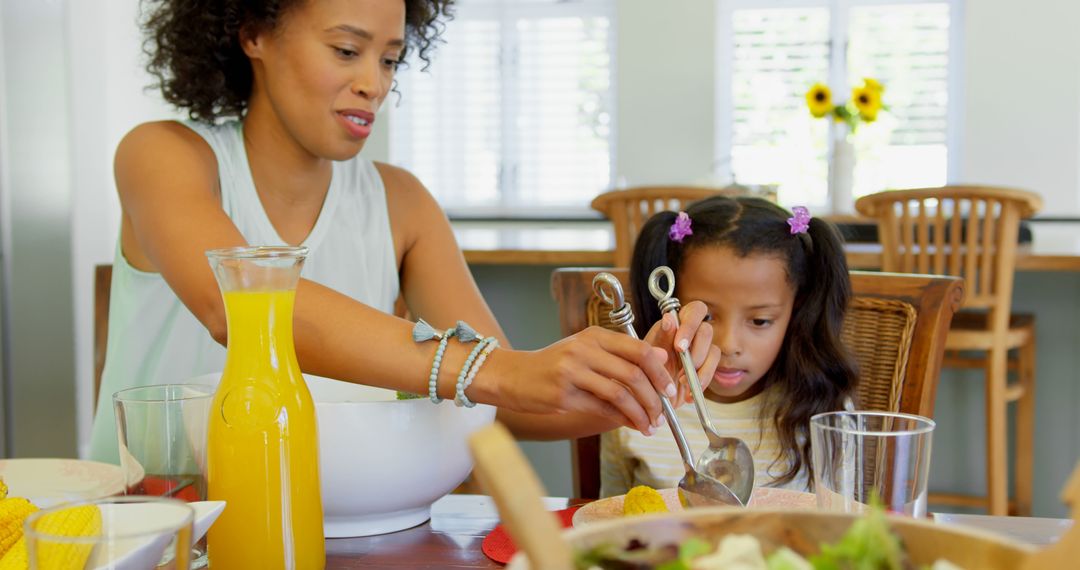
[772, 51]
[515, 112]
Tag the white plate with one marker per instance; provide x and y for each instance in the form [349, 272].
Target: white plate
[47, 482]
[146, 551]
[763, 497]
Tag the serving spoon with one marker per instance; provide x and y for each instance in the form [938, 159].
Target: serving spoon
[728, 459]
[696, 489]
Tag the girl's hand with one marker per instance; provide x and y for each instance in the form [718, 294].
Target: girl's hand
[596, 371]
[693, 334]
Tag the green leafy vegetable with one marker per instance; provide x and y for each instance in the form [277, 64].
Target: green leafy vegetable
[868, 545]
[787, 559]
[690, 549]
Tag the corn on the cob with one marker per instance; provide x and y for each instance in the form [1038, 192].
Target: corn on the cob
[15, 557]
[642, 500]
[55, 555]
[3, 489]
[13, 511]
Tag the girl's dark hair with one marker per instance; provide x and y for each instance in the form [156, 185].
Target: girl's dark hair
[194, 48]
[813, 372]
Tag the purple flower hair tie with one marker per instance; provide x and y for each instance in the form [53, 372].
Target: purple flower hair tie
[680, 228]
[800, 220]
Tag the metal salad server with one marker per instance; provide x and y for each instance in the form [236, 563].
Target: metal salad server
[695, 489]
[728, 459]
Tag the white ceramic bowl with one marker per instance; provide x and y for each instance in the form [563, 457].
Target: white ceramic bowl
[384, 461]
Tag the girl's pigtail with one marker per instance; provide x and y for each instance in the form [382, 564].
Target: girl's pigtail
[818, 355]
[651, 250]
[829, 285]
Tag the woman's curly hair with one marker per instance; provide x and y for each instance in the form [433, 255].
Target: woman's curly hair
[194, 48]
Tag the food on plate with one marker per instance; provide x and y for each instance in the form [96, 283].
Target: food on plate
[643, 500]
[77, 521]
[868, 544]
[13, 511]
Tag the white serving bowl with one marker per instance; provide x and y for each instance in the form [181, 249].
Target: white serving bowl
[384, 461]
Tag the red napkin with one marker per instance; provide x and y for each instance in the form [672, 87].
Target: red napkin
[177, 487]
[498, 546]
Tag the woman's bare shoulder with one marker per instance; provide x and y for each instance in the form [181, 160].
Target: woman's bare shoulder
[165, 152]
[157, 134]
[404, 191]
[397, 179]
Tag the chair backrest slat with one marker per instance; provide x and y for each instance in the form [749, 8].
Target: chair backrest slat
[988, 250]
[924, 240]
[955, 242]
[637, 218]
[102, 292]
[907, 235]
[939, 239]
[1008, 234]
[971, 255]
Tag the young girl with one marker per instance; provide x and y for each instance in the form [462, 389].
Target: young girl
[776, 286]
[282, 95]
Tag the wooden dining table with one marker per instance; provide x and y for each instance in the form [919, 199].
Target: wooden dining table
[451, 539]
[459, 523]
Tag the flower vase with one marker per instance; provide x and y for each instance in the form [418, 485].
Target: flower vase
[842, 176]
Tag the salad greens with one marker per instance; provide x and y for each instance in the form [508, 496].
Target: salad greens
[868, 544]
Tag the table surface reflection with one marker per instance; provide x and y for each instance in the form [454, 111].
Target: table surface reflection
[459, 523]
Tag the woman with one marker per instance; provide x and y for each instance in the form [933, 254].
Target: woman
[302, 81]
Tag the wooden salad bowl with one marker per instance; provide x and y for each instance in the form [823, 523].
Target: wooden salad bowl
[801, 531]
[507, 476]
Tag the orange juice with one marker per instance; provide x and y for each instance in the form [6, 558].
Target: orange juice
[263, 450]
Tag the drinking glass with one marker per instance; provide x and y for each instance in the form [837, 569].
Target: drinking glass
[860, 457]
[162, 437]
[114, 533]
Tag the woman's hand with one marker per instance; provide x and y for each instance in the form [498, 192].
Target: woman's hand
[596, 371]
[693, 334]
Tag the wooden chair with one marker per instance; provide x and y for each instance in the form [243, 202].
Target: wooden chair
[971, 232]
[896, 328]
[629, 209]
[102, 287]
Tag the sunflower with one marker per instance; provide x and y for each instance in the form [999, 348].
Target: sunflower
[873, 84]
[867, 101]
[819, 100]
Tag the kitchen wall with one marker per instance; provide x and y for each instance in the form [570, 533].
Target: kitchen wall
[1022, 99]
[35, 213]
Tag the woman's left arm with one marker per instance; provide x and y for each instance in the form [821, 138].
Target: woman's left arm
[438, 287]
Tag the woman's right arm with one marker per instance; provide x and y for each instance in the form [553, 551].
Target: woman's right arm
[167, 178]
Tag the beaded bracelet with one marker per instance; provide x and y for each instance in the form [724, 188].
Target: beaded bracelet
[470, 335]
[485, 346]
[422, 332]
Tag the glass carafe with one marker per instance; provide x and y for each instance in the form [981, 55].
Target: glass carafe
[262, 455]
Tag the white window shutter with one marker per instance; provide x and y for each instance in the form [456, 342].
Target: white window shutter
[778, 53]
[906, 47]
[514, 114]
[780, 48]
